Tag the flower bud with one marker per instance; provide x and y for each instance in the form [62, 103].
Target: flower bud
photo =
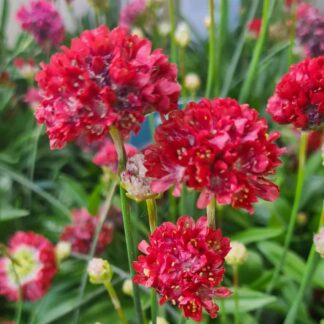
[128, 287]
[160, 320]
[301, 218]
[135, 181]
[237, 254]
[164, 28]
[99, 271]
[138, 32]
[192, 82]
[319, 242]
[62, 250]
[182, 35]
[207, 22]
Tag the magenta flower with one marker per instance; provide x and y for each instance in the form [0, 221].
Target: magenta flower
[130, 12]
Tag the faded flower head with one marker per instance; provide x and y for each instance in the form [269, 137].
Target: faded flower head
[182, 34]
[82, 230]
[164, 28]
[32, 259]
[107, 155]
[319, 242]
[131, 11]
[99, 271]
[184, 263]
[299, 96]
[192, 82]
[128, 287]
[218, 147]
[237, 254]
[134, 179]
[43, 21]
[62, 250]
[105, 78]
[26, 68]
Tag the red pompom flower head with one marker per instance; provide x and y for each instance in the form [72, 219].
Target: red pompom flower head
[299, 96]
[82, 230]
[35, 266]
[106, 78]
[218, 147]
[43, 21]
[184, 263]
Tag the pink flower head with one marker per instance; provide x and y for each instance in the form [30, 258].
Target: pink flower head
[32, 97]
[35, 267]
[107, 155]
[105, 78]
[299, 96]
[82, 230]
[43, 21]
[310, 29]
[254, 27]
[218, 147]
[131, 11]
[184, 263]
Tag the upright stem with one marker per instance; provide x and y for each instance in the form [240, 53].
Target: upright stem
[115, 301]
[172, 206]
[223, 317]
[293, 311]
[172, 18]
[221, 36]
[102, 217]
[246, 88]
[211, 55]
[292, 32]
[152, 216]
[119, 145]
[236, 296]
[211, 211]
[294, 211]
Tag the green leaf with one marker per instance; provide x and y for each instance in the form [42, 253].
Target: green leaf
[4, 17]
[94, 199]
[249, 300]
[12, 213]
[253, 235]
[294, 265]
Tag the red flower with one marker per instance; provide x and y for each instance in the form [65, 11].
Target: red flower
[43, 21]
[107, 155]
[218, 147]
[80, 234]
[315, 140]
[254, 27]
[106, 78]
[299, 96]
[35, 267]
[184, 263]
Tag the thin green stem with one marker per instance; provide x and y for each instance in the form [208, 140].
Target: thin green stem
[221, 37]
[115, 301]
[211, 55]
[211, 211]
[236, 295]
[172, 18]
[310, 265]
[173, 210]
[292, 32]
[151, 125]
[131, 252]
[247, 85]
[182, 320]
[102, 217]
[294, 211]
[223, 317]
[154, 308]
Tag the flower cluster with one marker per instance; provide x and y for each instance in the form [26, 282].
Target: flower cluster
[30, 267]
[299, 96]
[82, 230]
[106, 78]
[43, 21]
[184, 263]
[218, 147]
[310, 29]
[107, 155]
[131, 11]
[254, 27]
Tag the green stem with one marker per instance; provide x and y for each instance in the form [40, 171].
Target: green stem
[182, 320]
[236, 295]
[152, 216]
[102, 217]
[247, 85]
[131, 253]
[292, 32]
[223, 318]
[211, 55]
[182, 59]
[172, 206]
[221, 36]
[294, 211]
[211, 211]
[115, 301]
[311, 260]
[151, 125]
[172, 17]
